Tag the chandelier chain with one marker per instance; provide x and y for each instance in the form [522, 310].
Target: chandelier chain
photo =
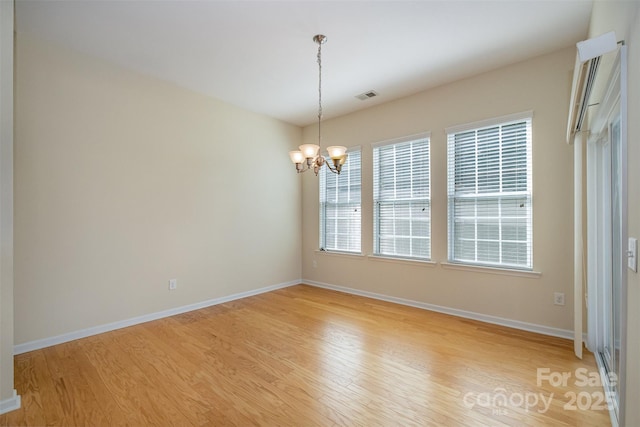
[319, 92]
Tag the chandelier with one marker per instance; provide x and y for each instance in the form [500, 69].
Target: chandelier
[309, 156]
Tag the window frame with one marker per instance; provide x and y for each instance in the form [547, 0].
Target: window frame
[378, 199]
[481, 198]
[322, 215]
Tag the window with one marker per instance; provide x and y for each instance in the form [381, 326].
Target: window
[402, 217]
[340, 210]
[489, 189]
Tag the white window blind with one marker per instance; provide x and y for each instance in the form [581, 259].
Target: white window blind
[340, 206]
[402, 210]
[489, 194]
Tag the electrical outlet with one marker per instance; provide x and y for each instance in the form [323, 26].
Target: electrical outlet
[558, 298]
[173, 284]
[315, 264]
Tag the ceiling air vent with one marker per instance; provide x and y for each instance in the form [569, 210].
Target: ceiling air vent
[367, 95]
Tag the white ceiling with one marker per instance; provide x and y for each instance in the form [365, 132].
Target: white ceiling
[260, 55]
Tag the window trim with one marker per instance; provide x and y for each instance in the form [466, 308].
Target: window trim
[403, 260]
[453, 263]
[400, 140]
[356, 255]
[409, 138]
[320, 249]
[523, 115]
[490, 269]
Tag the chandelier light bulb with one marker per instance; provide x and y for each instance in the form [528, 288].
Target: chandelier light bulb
[296, 156]
[336, 151]
[310, 151]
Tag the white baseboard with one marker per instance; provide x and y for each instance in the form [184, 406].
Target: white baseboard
[10, 404]
[516, 324]
[59, 339]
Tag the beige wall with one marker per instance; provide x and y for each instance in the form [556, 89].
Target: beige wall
[542, 85]
[624, 19]
[6, 200]
[123, 182]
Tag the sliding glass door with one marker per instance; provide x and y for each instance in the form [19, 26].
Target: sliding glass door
[607, 237]
[609, 350]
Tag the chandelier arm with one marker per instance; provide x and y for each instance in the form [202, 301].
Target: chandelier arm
[333, 169]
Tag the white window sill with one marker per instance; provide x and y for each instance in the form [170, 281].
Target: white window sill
[408, 261]
[491, 270]
[340, 254]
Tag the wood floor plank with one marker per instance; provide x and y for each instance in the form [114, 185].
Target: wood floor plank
[303, 356]
[77, 400]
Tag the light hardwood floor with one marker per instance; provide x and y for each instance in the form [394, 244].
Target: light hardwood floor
[304, 356]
